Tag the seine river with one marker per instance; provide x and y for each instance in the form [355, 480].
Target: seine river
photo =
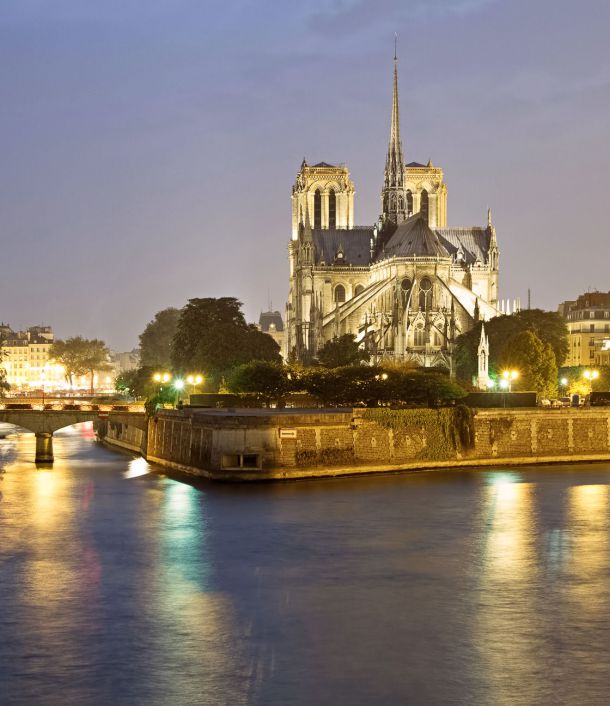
[122, 586]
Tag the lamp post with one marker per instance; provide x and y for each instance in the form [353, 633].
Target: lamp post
[590, 376]
[510, 376]
[194, 381]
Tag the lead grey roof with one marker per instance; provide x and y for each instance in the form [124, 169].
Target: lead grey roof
[414, 238]
[323, 164]
[270, 317]
[474, 242]
[415, 164]
[355, 244]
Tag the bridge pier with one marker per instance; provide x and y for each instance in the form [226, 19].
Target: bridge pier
[44, 447]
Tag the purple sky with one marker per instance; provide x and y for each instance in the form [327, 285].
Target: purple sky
[148, 147]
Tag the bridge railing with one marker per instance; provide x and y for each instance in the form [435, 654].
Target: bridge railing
[56, 406]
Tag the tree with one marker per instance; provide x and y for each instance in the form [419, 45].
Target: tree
[156, 339]
[4, 385]
[548, 326]
[81, 356]
[534, 359]
[372, 385]
[342, 350]
[137, 383]
[578, 384]
[213, 337]
[269, 380]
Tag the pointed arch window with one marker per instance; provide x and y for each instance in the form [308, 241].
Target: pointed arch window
[420, 336]
[332, 209]
[409, 202]
[359, 289]
[425, 294]
[339, 294]
[317, 209]
[424, 204]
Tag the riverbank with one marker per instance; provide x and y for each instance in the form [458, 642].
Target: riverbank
[258, 445]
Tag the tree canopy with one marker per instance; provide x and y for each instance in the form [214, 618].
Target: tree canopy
[548, 326]
[81, 356]
[535, 361]
[156, 339]
[213, 337]
[340, 351]
[269, 380]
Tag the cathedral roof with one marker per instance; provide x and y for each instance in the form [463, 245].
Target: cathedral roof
[415, 164]
[323, 164]
[414, 238]
[473, 242]
[355, 244]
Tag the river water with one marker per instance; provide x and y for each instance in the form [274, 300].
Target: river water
[123, 586]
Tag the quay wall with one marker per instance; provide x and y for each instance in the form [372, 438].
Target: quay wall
[285, 444]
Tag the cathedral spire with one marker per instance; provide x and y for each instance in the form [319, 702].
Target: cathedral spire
[393, 195]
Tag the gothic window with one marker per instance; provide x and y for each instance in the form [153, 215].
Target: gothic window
[401, 204]
[409, 202]
[317, 209]
[425, 294]
[392, 203]
[359, 289]
[420, 336]
[332, 210]
[424, 204]
[340, 293]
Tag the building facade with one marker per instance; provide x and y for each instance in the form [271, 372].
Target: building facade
[588, 322]
[25, 356]
[406, 285]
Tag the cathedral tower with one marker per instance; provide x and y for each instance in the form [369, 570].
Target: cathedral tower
[394, 193]
[327, 193]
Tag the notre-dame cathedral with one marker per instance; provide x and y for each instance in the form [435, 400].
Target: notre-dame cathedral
[405, 286]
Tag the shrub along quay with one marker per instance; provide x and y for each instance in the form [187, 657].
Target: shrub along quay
[261, 444]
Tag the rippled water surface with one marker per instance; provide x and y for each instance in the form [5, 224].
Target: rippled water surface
[121, 586]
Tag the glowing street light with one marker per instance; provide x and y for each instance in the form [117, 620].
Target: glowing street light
[509, 376]
[179, 384]
[591, 374]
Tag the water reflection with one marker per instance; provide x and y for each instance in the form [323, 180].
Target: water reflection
[589, 560]
[121, 586]
[508, 631]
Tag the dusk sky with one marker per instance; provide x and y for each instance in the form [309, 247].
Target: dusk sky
[149, 146]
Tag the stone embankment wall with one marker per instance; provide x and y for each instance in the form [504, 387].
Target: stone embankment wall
[122, 434]
[268, 444]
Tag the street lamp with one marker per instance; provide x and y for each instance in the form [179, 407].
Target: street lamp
[509, 376]
[591, 374]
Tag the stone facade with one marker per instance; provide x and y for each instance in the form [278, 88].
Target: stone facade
[405, 286]
[268, 444]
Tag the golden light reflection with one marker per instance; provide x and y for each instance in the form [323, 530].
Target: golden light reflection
[137, 467]
[510, 549]
[505, 631]
[589, 561]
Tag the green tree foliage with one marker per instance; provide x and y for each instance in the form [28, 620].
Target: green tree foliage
[213, 337]
[4, 386]
[341, 351]
[535, 361]
[81, 356]
[269, 380]
[373, 385]
[137, 383]
[548, 326]
[580, 385]
[156, 339]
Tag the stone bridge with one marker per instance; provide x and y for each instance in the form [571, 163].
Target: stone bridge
[44, 422]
